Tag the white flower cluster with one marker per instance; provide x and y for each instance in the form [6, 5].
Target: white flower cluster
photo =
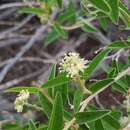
[21, 100]
[73, 64]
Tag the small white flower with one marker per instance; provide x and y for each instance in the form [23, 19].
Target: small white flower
[21, 100]
[73, 64]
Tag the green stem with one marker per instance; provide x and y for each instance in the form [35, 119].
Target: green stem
[83, 87]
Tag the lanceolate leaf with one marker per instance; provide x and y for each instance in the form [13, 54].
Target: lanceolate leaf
[124, 7]
[61, 32]
[100, 85]
[32, 10]
[114, 14]
[51, 37]
[119, 88]
[63, 90]
[99, 57]
[46, 105]
[56, 120]
[69, 14]
[32, 125]
[42, 127]
[124, 13]
[52, 74]
[119, 45]
[18, 89]
[58, 81]
[84, 117]
[104, 23]
[99, 125]
[95, 62]
[112, 122]
[125, 17]
[77, 99]
[101, 4]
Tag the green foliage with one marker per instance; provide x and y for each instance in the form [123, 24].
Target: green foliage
[32, 125]
[58, 81]
[84, 117]
[60, 31]
[101, 85]
[78, 96]
[114, 14]
[94, 63]
[101, 4]
[45, 104]
[60, 97]
[56, 119]
[18, 89]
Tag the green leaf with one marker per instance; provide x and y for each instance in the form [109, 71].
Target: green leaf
[112, 73]
[69, 14]
[116, 114]
[99, 125]
[63, 90]
[52, 75]
[119, 45]
[78, 96]
[119, 88]
[10, 126]
[68, 115]
[125, 17]
[18, 89]
[42, 127]
[84, 117]
[114, 14]
[58, 81]
[100, 85]
[112, 122]
[61, 32]
[90, 125]
[32, 10]
[56, 120]
[60, 3]
[124, 7]
[45, 104]
[32, 125]
[114, 69]
[101, 4]
[95, 62]
[51, 37]
[124, 13]
[88, 27]
[104, 23]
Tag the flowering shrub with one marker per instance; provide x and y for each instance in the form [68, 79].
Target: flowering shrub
[65, 98]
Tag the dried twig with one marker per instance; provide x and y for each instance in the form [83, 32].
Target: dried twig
[7, 13]
[25, 48]
[17, 4]
[30, 59]
[39, 32]
[5, 33]
[21, 79]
